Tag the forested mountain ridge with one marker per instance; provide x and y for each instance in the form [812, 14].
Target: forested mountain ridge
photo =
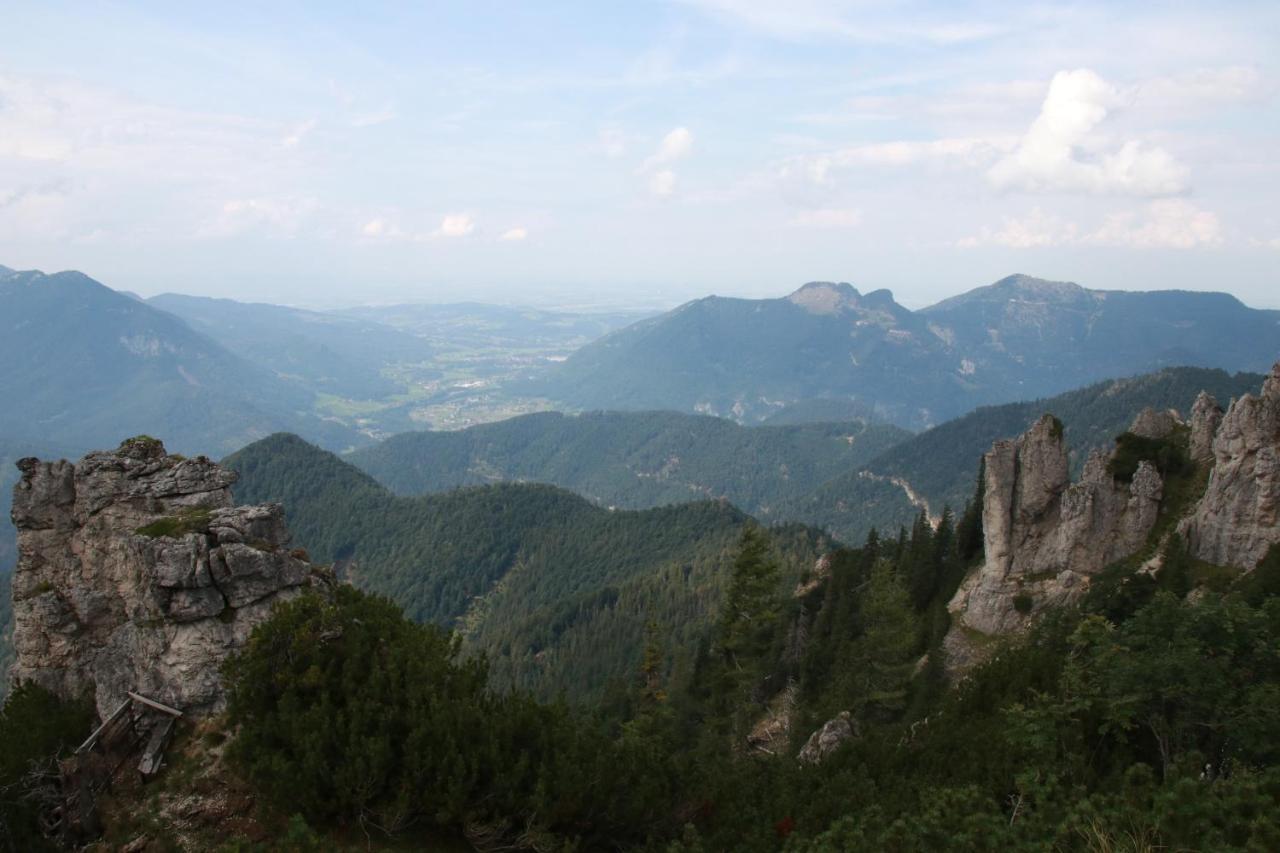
[1016, 339]
[939, 465]
[633, 460]
[556, 591]
[323, 352]
[89, 364]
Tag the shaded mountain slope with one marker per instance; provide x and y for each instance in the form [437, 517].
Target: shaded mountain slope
[324, 352]
[631, 459]
[554, 589]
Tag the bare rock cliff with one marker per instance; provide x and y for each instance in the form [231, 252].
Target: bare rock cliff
[1043, 534]
[1238, 519]
[135, 572]
[1045, 537]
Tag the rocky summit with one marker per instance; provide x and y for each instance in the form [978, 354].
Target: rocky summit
[136, 573]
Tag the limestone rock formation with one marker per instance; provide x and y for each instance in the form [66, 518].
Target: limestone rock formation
[1045, 535]
[135, 572]
[828, 739]
[1152, 424]
[1238, 519]
[1206, 417]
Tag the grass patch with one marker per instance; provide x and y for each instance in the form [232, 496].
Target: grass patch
[176, 526]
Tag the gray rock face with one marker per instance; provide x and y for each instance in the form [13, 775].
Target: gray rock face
[1152, 424]
[135, 572]
[1044, 535]
[1238, 519]
[828, 739]
[1206, 417]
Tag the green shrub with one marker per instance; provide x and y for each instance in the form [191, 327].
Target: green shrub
[1169, 455]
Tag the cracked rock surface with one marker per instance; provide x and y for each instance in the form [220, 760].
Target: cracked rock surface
[135, 572]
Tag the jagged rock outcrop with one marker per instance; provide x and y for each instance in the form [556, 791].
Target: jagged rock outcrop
[1238, 519]
[829, 738]
[135, 572]
[1206, 417]
[1153, 424]
[1043, 534]
[1045, 537]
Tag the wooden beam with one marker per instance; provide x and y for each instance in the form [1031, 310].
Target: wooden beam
[153, 755]
[151, 703]
[93, 738]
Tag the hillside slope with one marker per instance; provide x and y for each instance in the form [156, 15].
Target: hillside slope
[553, 589]
[323, 352]
[83, 365]
[633, 460]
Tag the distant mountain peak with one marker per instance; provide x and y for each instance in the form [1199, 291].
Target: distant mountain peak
[1039, 286]
[825, 297]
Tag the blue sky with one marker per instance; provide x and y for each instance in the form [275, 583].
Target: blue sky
[640, 153]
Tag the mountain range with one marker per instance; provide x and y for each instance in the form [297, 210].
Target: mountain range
[1020, 338]
[842, 477]
[84, 364]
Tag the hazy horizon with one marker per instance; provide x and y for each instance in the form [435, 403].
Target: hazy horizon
[648, 154]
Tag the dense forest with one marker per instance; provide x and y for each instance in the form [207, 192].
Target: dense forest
[633, 460]
[555, 590]
[1143, 719]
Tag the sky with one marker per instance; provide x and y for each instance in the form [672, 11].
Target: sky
[640, 154]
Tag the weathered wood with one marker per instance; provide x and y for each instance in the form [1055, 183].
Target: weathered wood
[93, 738]
[151, 703]
[153, 754]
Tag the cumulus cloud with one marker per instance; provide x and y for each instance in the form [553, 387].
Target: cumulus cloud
[515, 234]
[675, 146]
[969, 152]
[662, 183]
[1060, 152]
[1037, 229]
[1161, 224]
[456, 225]
[1167, 224]
[277, 216]
[828, 217]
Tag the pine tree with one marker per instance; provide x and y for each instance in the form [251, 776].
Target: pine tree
[969, 532]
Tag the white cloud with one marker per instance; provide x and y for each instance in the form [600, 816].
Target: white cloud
[456, 225]
[1036, 230]
[613, 142]
[966, 152]
[676, 145]
[662, 183]
[299, 133]
[1061, 153]
[829, 217]
[1167, 224]
[276, 216]
[514, 234]
[1162, 224]
[843, 20]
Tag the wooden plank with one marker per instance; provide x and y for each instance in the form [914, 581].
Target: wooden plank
[151, 703]
[153, 755]
[93, 738]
